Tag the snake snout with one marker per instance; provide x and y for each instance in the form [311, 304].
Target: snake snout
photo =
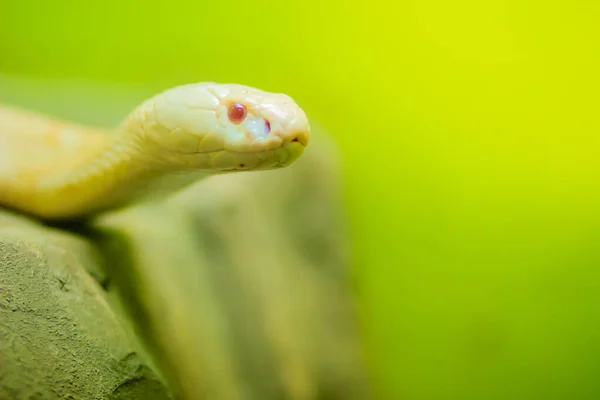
[297, 131]
[300, 130]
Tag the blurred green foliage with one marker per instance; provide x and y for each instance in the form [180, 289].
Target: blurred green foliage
[470, 135]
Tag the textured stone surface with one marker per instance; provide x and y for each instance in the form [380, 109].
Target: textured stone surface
[59, 339]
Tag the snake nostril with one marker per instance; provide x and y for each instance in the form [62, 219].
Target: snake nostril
[295, 140]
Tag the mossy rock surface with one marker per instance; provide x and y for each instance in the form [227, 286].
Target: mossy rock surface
[59, 338]
[236, 288]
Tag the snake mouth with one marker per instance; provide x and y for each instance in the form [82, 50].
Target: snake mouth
[297, 138]
[289, 149]
[279, 140]
[282, 156]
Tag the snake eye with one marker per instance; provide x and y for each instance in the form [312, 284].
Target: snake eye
[267, 127]
[236, 113]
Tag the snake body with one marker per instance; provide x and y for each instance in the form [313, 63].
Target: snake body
[55, 169]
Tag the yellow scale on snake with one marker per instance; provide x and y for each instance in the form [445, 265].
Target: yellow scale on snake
[58, 170]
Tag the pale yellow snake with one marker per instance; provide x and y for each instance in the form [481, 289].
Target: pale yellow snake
[56, 169]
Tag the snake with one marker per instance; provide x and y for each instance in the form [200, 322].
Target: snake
[57, 169]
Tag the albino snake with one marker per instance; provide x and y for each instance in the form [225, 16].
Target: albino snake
[54, 169]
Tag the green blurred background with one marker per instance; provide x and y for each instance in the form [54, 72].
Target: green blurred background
[469, 134]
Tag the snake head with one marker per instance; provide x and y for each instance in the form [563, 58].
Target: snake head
[221, 127]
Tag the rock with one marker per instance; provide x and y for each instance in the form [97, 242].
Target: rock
[59, 339]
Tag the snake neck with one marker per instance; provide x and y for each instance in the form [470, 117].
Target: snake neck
[120, 173]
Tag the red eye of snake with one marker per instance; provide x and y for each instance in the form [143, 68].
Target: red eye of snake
[236, 113]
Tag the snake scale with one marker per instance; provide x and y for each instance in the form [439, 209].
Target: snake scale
[57, 170]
